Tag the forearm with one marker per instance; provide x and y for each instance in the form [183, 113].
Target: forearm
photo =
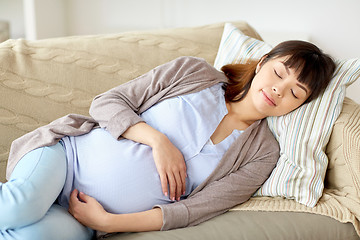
[144, 133]
[150, 220]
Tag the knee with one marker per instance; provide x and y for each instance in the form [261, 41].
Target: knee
[56, 224]
[17, 207]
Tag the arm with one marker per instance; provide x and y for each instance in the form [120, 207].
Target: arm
[214, 199]
[244, 168]
[150, 220]
[119, 108]
[118, 111]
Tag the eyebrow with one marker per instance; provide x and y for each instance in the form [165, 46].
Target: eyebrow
[302, 87]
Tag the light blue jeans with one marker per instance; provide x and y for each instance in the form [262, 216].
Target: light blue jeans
[27, 208]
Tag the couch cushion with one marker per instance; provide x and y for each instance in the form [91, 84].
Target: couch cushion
[250, 225]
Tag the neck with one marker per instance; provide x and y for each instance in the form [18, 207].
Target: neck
[244, 111]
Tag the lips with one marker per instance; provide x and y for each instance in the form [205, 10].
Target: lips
[268, 99]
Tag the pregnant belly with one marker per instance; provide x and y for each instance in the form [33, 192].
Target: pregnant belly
[121, 175]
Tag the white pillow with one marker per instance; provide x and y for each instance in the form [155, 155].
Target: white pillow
[302, 134]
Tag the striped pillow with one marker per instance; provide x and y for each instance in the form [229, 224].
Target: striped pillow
[302, 134]
[236, 47]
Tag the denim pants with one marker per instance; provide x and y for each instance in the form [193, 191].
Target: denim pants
[27, 208]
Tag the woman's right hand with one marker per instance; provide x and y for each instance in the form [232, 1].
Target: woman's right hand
[169, 161]
[171, 167]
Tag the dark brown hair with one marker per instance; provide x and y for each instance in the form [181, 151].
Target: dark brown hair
[315, 69]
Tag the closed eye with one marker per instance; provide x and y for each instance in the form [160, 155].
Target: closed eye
[292, 92]
[277, 74]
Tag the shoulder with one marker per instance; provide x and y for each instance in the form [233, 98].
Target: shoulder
[259, 139]
[191, 73]
[265, 139]
[264, 132]
[194, 63]
[191, 59]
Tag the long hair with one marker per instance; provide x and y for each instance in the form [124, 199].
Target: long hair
[316, 69]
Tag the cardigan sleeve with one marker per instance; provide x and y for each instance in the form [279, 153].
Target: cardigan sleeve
[219, 196]
[119, 108]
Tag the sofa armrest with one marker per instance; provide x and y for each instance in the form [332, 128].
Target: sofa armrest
[343, 151]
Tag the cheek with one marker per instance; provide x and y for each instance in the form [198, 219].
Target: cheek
[256, 83]
[294, 105]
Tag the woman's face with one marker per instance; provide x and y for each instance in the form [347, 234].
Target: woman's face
[275, 89]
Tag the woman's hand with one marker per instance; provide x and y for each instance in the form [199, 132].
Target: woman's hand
[171, 167]
[169, 161]
[88, 211]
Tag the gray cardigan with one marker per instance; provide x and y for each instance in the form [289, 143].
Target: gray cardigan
[242, 170]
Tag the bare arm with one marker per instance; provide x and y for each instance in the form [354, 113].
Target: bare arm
[150, 220]
[90, 213]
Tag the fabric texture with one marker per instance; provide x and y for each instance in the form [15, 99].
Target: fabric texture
[58, 224]
[20, 203]
[51, 78]
[243, 168]
[303, 133]
[55, 77]
[27, 200]
[126, 179]
[236, 47]
[341, 198]
[250, 225]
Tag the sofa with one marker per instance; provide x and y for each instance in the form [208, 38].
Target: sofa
[43, 80]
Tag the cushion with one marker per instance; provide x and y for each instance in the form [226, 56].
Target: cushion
[302, 134]
[250, 225]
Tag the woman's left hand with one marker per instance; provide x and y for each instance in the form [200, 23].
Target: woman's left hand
[88, 211]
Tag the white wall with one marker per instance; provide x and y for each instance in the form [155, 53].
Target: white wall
[331, 24]
[44, 19]
[326, 22]
[12, 11]
[110, 16]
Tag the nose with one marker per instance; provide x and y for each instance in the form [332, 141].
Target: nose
[277, 90]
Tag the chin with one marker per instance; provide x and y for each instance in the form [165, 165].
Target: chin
[274, 114]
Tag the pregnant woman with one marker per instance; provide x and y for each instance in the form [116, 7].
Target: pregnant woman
[173, 148]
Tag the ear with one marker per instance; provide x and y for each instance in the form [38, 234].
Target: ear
[261, 63]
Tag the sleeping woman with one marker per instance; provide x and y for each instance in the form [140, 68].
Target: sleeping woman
[175, 147]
